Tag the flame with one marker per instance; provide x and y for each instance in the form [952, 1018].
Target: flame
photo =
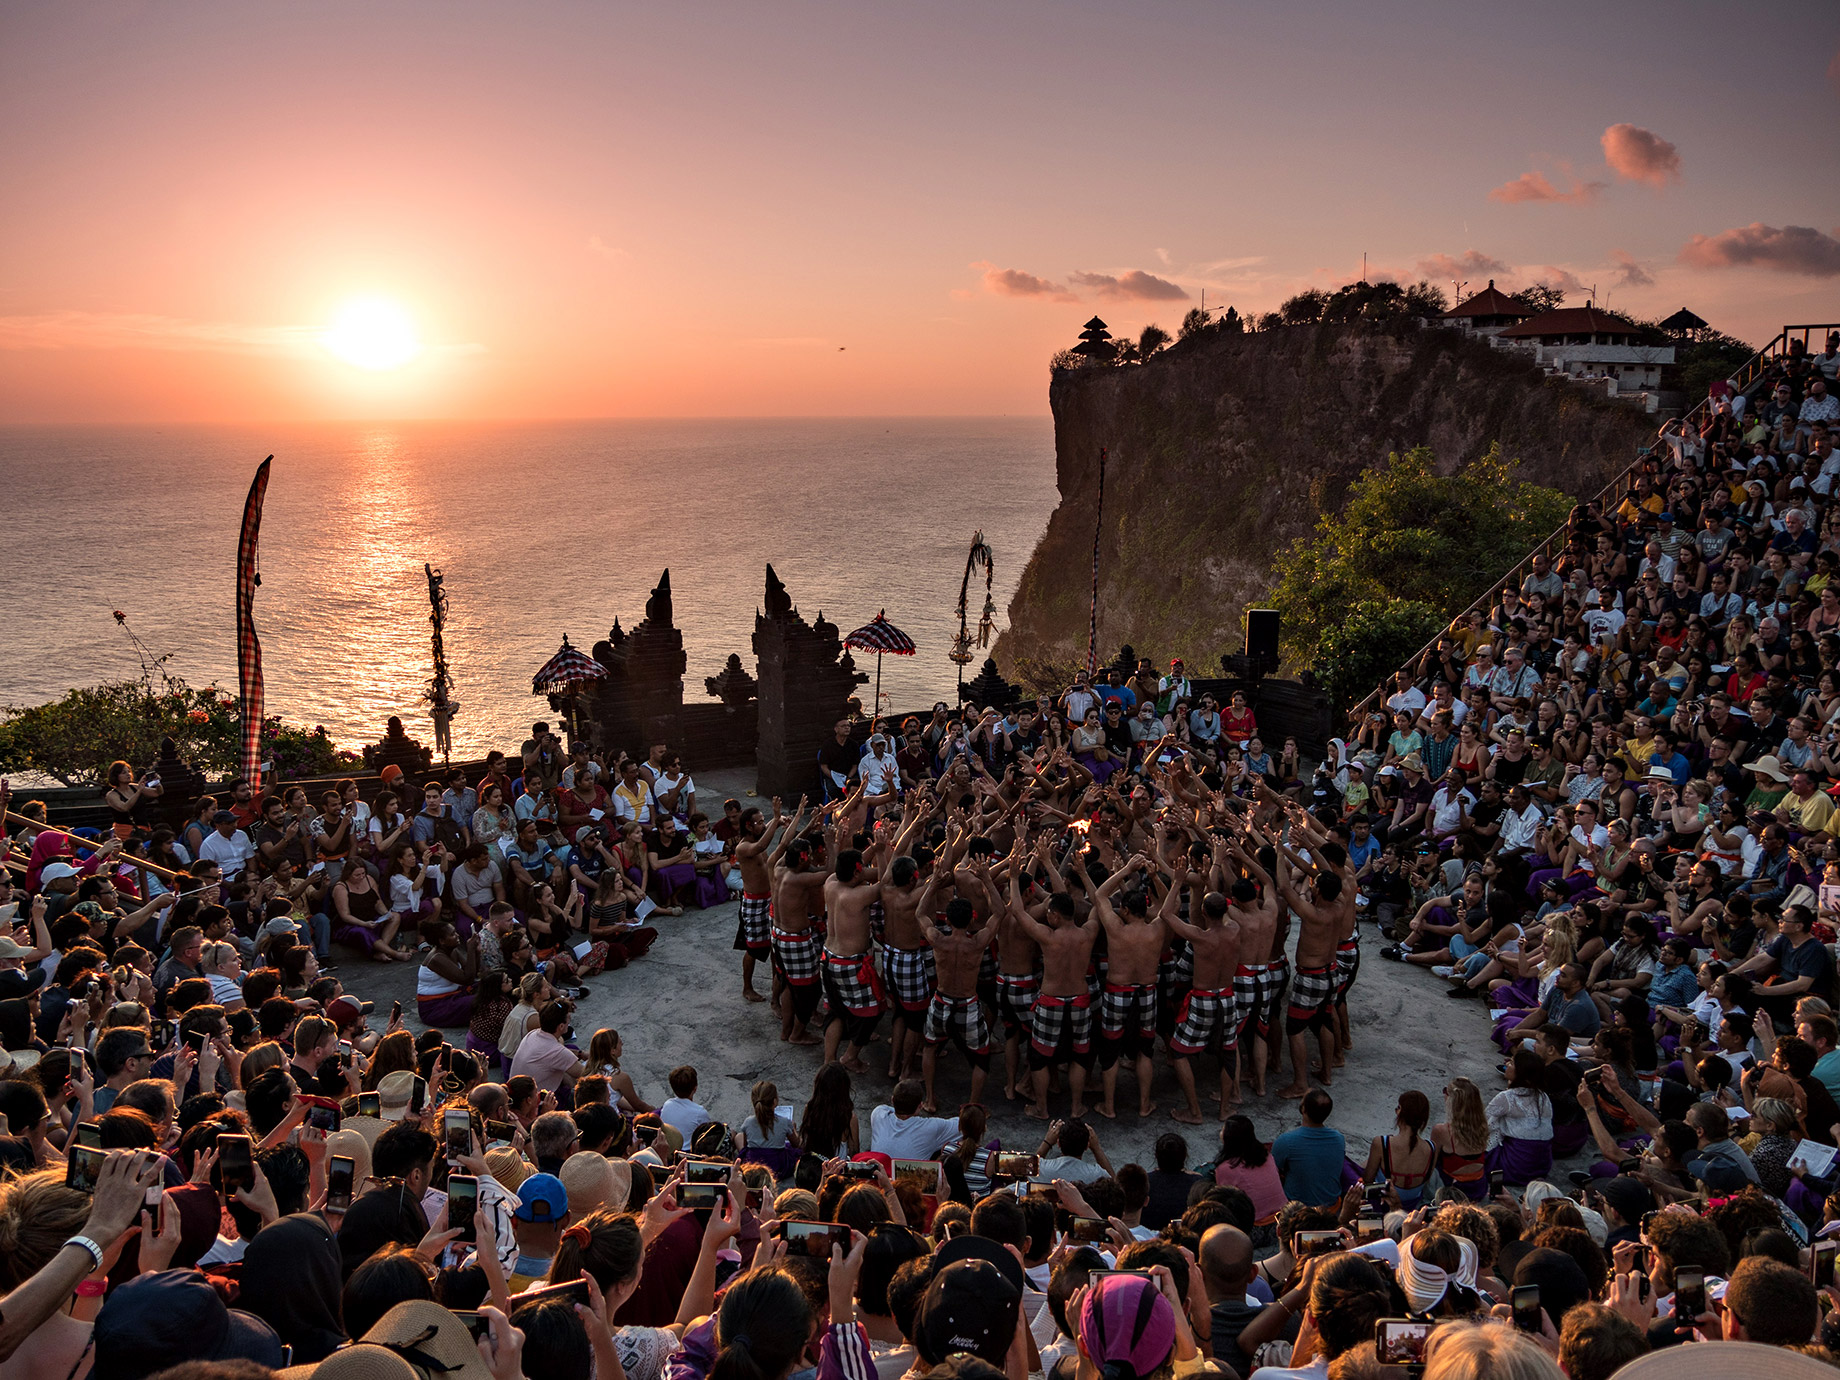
[1079, 826]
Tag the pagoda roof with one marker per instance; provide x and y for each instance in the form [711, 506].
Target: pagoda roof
[1572, 321]
[1491, 301]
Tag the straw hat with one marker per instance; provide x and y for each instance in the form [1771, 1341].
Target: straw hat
[366, 1128]
[1412, 762]
[353, 1141]
[508, 1167]
[423, 1329]
[1768, 765]
[1717, 1360]
[588, 1176]
[361, 1362]
[393, 1093]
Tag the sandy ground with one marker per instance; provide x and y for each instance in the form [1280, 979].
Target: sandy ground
[681, 1004]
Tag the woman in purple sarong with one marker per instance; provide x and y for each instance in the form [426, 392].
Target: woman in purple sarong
[1090, 749]
[1521, 1122]
[1520, 998]
[672, 863]
[711, 861]
[443, 982]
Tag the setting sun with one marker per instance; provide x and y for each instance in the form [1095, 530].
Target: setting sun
[373, 333]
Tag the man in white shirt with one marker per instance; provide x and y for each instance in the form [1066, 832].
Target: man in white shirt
[1520, 821]
[1450, 805]
[1074, 1139]
[1406, 696]
[1587, 832]
[899, 1132]
[226, 845]
[632, 798]
[881, 778]
[681, 1109]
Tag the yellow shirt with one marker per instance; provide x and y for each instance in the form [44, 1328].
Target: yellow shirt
[1810, 815]
[1636, 753]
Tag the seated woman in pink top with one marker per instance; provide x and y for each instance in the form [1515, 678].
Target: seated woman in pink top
[1246, 1164]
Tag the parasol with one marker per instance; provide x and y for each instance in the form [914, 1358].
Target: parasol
[880, 636]
[563, 672]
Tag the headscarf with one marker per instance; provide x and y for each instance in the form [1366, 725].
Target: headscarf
[291, 1280]
[1425, 1284]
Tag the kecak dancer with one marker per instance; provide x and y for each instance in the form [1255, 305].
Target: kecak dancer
[751, 934]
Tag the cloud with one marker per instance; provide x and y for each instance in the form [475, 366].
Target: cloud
[1792, 249]
[1562, 278]
[1629, 273]
[1535, 186]
[1133, 284]
[610, 251]
[1641, 155]
[1472, 263]
[1013, 282]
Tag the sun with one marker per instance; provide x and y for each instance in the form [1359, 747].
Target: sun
[373, 333]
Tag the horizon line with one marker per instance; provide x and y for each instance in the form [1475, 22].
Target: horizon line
[6, 425]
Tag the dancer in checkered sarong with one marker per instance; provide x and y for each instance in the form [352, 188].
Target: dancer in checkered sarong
[1134, 942]
[907, 963]
[851, 984]
[797, 933]
[1060, 1023]
[1312, 1001]
[751, 933]
[1208, 1023]
[956, 1013]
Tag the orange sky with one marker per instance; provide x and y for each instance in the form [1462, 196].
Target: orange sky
[600, 209]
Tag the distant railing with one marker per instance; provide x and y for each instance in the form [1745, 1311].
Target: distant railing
[1745, 376]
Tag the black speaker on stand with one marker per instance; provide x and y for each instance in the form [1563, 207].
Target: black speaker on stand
[1262, 639]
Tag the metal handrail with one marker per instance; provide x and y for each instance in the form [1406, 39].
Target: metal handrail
[1743, 376]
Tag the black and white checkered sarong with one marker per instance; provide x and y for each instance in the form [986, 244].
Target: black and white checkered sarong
[1016, 998]
[1209, 1020]
[795, 954]
[751, 930]
[1061, 1025]
[909, 975]
[960, 1020]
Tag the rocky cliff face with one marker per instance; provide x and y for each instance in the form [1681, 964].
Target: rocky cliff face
[1224, 449]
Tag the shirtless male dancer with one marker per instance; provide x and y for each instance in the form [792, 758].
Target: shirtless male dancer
[1019, 975]
[756, 895]
[1134, 944]
[908, 965]
[1207, 1019]
[1329, 852]
[1060, 1023]
[1252, 978]
[955, 1012]
[797, 886]
[1312, 1003]
[850, 982]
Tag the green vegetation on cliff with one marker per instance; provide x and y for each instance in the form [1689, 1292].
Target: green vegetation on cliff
[1411, 547]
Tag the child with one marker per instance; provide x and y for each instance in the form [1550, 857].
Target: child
[709, 854]
[681, 1109]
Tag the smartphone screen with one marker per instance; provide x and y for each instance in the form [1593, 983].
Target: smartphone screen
[1401, 1341]
[702, 1197]
[457, 1132]
[927, 1171]
[340, 1170]
[1086, 1229]
[644, 1135]
[705, 1172]
[1368, 1228]
[83, 1168]
[1316, 1242]
[813, 1240]
[1689, 1294]
[1822, 1264]
[395, 1013]
[477, 1324]
[236, 1163]
[370, 1104]
[325, 1119]
[418, 1095]
[462, 1203]
[501, 1132]
[1495, 1183]
[1527, 1308]
[89, 1135]
[1007, 1164]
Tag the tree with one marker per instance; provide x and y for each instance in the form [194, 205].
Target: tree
[1371, 640]
[1406, 536]
[1306, 307]
[1196, 322]
[1542, 297]
[1426, 300]
[1152, 339]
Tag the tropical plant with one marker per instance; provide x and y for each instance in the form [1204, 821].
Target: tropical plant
[1150, 340]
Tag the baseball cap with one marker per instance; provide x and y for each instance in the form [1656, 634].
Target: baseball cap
[970, 1307]
[345, 1010]
[981, 1248]
[1126, 1318]
[159, 1320]
[57, 871]
[542, 1198]
[393, 1091]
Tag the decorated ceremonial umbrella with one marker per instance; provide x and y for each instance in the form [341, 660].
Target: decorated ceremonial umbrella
[563, 672]
[880, 636]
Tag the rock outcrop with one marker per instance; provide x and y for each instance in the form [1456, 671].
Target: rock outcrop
[1224, 448]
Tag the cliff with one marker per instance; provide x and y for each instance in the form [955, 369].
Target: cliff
[1225, 448]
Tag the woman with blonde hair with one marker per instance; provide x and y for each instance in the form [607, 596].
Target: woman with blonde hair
[1537, 968]
[1487, 1351]
[604, 1052]
[38, 1215]
[1462, 1139]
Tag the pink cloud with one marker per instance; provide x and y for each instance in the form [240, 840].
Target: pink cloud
[1792, 249]
[1013, 282]
[1629, 273]
[1641, 155]
[1536, 186]
[1472, 263]
[1562, 278]
[1133, 284]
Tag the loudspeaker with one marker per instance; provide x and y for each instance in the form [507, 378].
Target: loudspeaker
[1262, 637]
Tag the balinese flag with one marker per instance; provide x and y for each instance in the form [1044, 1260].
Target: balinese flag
[248, 649]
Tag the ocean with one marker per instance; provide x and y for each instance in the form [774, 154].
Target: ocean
[541, 529]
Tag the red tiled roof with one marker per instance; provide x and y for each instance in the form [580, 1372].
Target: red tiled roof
[1572, 321]
[1491, 301]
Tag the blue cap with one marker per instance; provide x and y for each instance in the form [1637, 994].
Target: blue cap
[1664, 517]
[159, 1320]
[542, 1198]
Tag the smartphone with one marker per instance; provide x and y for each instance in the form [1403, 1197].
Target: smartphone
[1375, 1197]
[194, 1041]
[341, 1171]
[703, 1197]
[1087, 1229]
[1526, 1299]
[1316, 1243]
[1821, 1263]
[501, 1131]
[457, 1132]
[83, 1168]
[924, 1170]
[1008, 1164]
[325, 1119]
[477, 1324]
[163, 1032]
[418, 1095]
[89, 1135]
[1640, 1263]
[705, 1172]
[370, 1104]
[1496, 1182]
[860, 1169]
[752, 1199]
[395, 1013]
[462, 1203]
[1689, 1294]
[236, 1163]
[645, 1135]
[575, 1291]
[812, 1240]
[1401, 1341]
[1368, 1227]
